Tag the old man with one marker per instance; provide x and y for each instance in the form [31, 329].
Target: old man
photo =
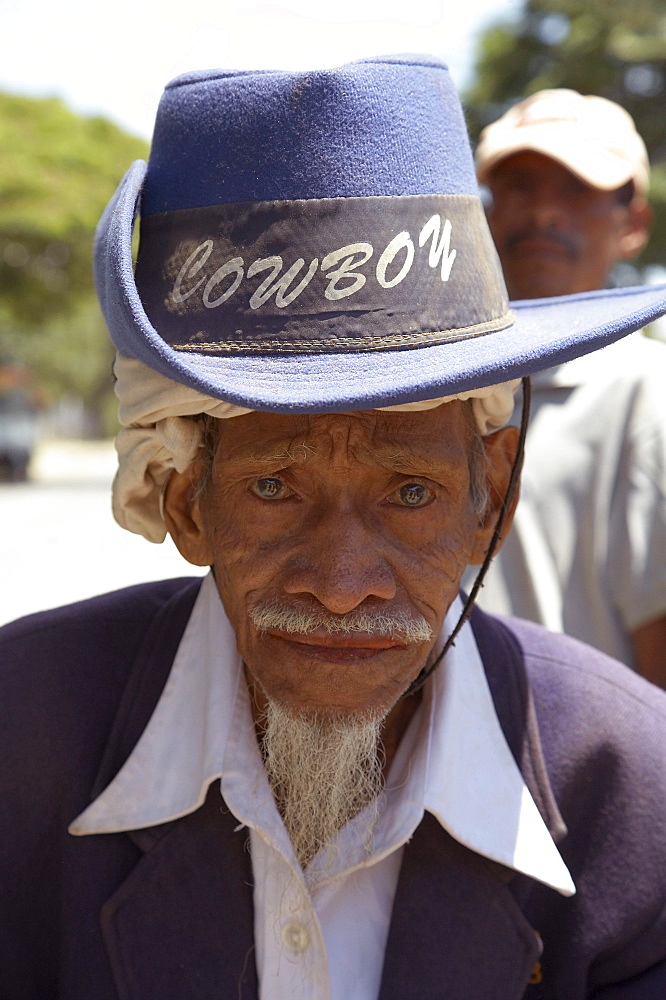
[320, 773]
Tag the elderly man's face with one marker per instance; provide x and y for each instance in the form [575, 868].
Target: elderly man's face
[338, 515]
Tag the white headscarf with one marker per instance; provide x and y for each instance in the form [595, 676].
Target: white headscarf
[159, 435]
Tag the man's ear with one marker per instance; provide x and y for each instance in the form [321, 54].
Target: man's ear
[500, 448]
[182, 517]
[637, 228]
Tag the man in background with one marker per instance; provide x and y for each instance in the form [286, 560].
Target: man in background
[568, 177]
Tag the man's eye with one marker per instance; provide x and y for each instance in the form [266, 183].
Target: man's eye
[270, 489]
[412, 495]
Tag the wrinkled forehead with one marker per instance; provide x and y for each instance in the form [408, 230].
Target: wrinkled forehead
[259, 437]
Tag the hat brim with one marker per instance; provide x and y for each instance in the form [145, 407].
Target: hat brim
[546, 332]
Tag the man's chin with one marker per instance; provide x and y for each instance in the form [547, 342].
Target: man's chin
[348, 710]
[330, 714]
[344, 685]
[536, 278]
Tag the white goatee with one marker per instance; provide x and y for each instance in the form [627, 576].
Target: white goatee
[323, 769]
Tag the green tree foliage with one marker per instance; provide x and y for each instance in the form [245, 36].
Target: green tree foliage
[615, 49]
[57, 172]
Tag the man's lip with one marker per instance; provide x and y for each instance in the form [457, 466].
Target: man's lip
[540, 246]
[358, 640]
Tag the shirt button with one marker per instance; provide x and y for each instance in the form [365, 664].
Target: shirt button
[295, 937]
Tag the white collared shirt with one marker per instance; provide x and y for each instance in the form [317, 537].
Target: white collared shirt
[327, 942]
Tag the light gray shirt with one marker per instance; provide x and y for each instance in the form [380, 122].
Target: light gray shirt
[587, 553]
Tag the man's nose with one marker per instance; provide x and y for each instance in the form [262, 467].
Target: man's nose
[548, 211]
[342, 563]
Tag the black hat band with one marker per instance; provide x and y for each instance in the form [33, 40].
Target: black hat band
[321, 275]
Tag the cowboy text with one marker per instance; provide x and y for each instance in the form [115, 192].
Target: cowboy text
[344, 271]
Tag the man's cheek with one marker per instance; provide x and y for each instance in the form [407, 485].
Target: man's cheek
[245, 566]
[442, 556]
[231, 543]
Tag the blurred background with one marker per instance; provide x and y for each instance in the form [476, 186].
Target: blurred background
[79, 87]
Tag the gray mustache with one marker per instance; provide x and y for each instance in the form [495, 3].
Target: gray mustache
[396, 625]
[559, 239]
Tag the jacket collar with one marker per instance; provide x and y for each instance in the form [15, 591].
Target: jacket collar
[158, 946]
[466, 774]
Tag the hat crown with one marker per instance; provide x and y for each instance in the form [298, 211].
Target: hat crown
[314, 242]
[370, 128]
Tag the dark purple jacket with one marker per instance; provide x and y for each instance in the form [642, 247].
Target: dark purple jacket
[167, 912]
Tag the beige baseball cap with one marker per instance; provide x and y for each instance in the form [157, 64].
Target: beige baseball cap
[591, 136]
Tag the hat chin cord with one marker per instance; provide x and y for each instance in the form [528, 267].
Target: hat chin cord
[514, 478]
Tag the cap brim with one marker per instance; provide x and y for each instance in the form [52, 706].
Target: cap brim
[546, 332]
[597, 167]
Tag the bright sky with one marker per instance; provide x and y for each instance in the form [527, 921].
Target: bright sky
[114, 56]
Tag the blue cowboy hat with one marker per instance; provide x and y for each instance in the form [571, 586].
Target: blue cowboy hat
[314, 242]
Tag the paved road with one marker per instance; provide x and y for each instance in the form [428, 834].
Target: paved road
[58, 540]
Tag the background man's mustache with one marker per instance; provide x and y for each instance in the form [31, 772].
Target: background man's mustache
[290, 619]
[545, 235]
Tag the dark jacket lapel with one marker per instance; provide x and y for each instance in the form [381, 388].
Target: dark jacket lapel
[181, 925]
[504, 666]
[456, 932]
